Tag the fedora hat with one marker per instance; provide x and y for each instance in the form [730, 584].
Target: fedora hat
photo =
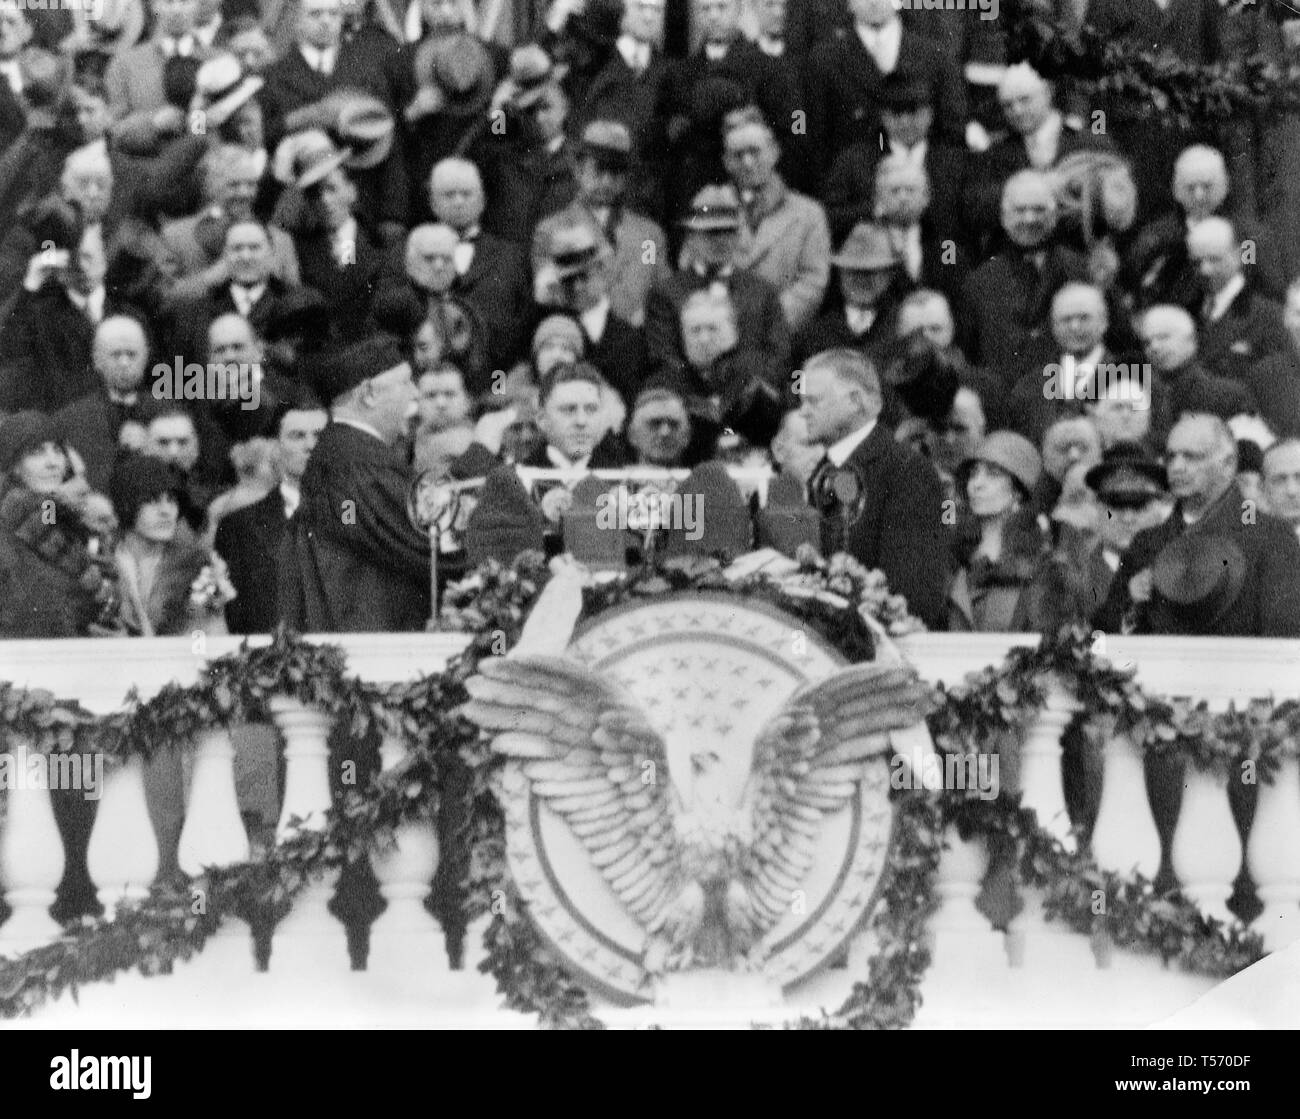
[609, 143]
[1127, 471]
[924, 377]
[308, 155]
[460, 68]
[531, 74]
[1010, 452]
[365, 128]
[224, 86]
[597, 22]
[714, 209]
[867, 249]
[1199, 575]
[575, 249]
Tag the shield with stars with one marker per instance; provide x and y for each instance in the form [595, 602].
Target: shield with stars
[709, 671]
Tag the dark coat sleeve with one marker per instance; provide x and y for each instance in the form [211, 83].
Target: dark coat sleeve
[914, 545]
[1279, 581]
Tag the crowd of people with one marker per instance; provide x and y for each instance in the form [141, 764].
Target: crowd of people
[1032, 353]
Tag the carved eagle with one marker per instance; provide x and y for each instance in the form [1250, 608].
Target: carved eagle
[705, 875]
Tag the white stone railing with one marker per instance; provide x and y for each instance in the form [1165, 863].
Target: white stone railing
[1035, 972]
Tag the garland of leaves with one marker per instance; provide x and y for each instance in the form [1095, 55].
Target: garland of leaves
[1122, 70]
[492, 605]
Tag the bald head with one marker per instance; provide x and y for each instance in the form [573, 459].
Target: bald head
[1168, 336]
[1212, 247]
[1079, 318]
[1201, 458]
[456, 193]
[1200, 181]
[1025, 97]
[431, 256]
[902, 191]
[1028, 208]
[87, 181]
[118, 353]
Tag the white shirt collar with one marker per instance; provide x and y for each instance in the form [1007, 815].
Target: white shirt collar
[292, 495]
[360, 425]
[915, 155]
[316, 56]
[883, 44]
[207, 33]
[596, 319]
[716, 52]
[1222, 300]
[771, 46]
[13, 74]
[635, 53]
[839, 451]
[860, 319]
[561, 461]
[1043, 144]
[344, 242]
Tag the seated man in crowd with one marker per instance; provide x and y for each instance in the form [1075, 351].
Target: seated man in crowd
[1182, 383]
[639, 252]
[1281, 480]
[1006, 301]
[789, 241]
[660, 432]
[709, 259]
[444, 432]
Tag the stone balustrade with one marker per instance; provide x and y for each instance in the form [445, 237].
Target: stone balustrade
[1028, 971]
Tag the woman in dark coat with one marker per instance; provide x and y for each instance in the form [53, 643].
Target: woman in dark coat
[55, 581]
[998, 587]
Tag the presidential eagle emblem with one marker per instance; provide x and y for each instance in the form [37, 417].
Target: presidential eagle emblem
[727, 794]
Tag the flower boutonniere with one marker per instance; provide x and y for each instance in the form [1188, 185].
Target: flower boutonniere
[212, 588]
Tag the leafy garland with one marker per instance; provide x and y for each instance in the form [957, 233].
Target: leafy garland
[1120, 69]
[492, 605]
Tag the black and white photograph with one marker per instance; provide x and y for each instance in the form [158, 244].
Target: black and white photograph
[650, 514]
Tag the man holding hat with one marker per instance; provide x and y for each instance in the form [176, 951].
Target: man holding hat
[351, 561]
[1218, 566]
[708, 260]
[603, 173]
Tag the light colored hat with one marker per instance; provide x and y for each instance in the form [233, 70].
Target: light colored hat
[1010, 452]
[224, 87]
[559, 328]
[867, 249]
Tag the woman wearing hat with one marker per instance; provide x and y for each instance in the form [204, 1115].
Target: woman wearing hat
[170, 583]
[1002, 557]
[54, 581]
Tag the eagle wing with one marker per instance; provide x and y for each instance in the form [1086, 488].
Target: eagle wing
[590, 754]
[807, 762]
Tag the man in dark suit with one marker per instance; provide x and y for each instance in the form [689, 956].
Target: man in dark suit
[1067, 372]
[1039, 138]
[708, 260]
[1007, 299]
[881, 501]
[249, 539]
[1238, 326]
[15, 35]
[906, 117]
[351, 561]
[491, 273]
[1201, 458]
[101, 424]
[726, 54]
[578, 262]
[324, 60]
[528, 162]
[250, 289]
[631, 88]
[1181, 381]
[849, 71]
[872, 284]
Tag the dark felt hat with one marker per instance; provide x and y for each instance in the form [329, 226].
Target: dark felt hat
[1127, 470]
[1199, 575]
[299, 311]
[923, 376]
[344, 369]
[138, 480]
[22, 433]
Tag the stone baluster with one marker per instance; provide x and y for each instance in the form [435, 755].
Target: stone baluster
[214, 836]
[406, 940]
[1125, 838]
[31, 855]
[1273, 856]
[309, 939]
[1040, 781]
[1206, 851]
[123, 854]
[968, 971]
